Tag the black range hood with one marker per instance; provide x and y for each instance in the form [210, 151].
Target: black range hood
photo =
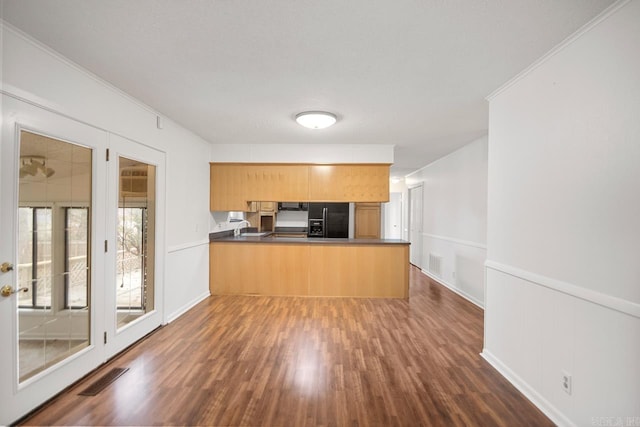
[293, 206]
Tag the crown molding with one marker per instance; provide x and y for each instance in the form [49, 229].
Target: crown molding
[605, 14]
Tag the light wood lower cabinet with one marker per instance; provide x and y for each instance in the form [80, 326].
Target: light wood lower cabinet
[350, 270]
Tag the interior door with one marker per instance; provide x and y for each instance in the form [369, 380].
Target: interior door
[393, 217]
[135, 243]
[52, 198]
[415, 225]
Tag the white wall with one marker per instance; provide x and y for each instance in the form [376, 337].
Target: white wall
[563, 270]
[399, 186]
[34, 73]
[391, 216]
[292, 219]
[302, 153]
[455, 218]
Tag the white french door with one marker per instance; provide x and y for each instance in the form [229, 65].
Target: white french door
[48, 326]
[64, 309]
[135, 241]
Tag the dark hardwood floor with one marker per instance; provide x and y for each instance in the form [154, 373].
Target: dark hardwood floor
[284, 361]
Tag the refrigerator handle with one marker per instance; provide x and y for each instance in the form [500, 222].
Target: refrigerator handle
[325, 226]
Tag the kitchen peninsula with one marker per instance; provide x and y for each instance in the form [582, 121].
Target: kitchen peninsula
[268, 265]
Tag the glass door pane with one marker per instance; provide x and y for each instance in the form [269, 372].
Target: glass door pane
[53, 251]
[135, 240]
[76, 257]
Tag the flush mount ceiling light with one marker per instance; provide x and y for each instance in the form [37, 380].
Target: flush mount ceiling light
[316, 119]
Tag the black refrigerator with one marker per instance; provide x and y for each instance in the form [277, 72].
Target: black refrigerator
[328, 220]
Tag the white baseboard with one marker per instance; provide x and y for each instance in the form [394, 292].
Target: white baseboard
[540, 402]
[460, 292]
[188, 306]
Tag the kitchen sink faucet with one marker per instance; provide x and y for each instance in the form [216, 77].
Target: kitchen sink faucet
[236, 232]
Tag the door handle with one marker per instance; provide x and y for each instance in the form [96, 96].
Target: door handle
[6, 267]
[8, 290]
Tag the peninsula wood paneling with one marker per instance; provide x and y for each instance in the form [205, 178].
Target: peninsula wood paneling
[360, 270]
[375, 270]
[256, 269]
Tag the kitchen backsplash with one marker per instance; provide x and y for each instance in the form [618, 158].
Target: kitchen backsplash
[221, 221]
[292, 219]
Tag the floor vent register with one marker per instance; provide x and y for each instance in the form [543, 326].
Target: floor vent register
[103, 382]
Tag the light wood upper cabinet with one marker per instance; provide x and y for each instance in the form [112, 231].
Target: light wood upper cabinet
[233, 185]
[322, 185]
[268, 206]
[284, 183]
[264, 218]
[349, 183]
[227, 188]
[367, 221]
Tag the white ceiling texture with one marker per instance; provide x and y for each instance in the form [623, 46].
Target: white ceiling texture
[413, 73]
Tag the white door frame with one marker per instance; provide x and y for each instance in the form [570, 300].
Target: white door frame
[415, 249]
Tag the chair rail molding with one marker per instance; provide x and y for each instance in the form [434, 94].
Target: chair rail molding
[188, 245]
[458, 241]
[608, 301]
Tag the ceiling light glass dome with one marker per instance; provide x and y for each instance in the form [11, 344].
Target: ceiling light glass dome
[316, 119]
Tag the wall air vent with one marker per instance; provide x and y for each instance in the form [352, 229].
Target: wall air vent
[435, 265]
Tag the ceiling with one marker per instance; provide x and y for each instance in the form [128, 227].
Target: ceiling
[411, 73]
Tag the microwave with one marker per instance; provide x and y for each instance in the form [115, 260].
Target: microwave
[293, 206]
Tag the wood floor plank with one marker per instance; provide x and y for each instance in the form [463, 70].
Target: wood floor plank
[287, 361]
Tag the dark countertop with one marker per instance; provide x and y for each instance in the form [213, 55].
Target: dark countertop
[269, 238]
